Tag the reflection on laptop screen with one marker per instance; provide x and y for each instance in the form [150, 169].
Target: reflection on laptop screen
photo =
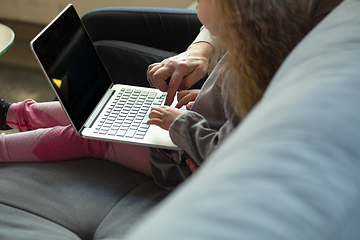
[72, 64]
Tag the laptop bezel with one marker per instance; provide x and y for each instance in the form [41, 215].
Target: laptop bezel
[85, 121]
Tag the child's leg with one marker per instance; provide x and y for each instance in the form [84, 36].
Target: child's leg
[61, 143]
[54, 141]
[131, 156]
[29, 115]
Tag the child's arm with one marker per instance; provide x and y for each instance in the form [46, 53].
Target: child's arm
[193, 133]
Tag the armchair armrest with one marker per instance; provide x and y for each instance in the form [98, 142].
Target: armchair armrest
[168, 29]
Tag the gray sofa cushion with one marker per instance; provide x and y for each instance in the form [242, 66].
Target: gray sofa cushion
[82, 199]
[291, 169]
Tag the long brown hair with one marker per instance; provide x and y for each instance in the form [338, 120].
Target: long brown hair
[258, 35]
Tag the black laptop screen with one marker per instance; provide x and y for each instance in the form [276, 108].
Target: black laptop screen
[72, 64]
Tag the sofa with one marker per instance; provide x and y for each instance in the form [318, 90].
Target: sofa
[291, 170]
[135, 37]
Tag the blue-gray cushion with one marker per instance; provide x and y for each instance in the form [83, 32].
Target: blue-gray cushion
[291, 169]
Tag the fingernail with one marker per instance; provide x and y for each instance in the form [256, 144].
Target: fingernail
[188, 162]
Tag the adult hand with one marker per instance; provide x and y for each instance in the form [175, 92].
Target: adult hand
[163, 116]
[187, 97]
[184, 69]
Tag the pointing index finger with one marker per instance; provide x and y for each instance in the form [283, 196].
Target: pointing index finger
[174, 84]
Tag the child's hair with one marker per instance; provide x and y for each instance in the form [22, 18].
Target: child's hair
[258, 35]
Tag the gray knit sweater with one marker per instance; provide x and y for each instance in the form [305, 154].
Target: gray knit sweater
[199, 131]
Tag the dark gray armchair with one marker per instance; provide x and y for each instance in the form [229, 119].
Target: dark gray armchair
[129, 39]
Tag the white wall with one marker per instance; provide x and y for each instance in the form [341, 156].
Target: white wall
[42, 11]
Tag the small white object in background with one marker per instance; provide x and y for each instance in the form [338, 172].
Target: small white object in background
[6, 38]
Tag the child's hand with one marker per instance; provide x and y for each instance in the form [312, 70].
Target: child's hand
[186, 97]
[192, 165]
[163, 116]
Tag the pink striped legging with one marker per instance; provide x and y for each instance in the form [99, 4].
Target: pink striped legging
[46, 135]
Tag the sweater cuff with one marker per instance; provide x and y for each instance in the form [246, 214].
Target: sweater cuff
[178, 130]
[204, 36]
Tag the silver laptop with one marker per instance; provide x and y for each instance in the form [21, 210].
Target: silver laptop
[97, 108]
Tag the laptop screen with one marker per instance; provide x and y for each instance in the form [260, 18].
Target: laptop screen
[72, 64]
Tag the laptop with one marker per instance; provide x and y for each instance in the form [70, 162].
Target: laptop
[96, 108]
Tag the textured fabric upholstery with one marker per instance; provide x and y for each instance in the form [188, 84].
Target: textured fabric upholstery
[81, 199]
[129, 39]
[167, 29]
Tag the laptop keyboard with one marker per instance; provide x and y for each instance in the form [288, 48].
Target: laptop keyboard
[128, 113]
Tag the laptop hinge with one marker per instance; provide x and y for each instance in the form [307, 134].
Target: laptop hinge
[99, 108]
